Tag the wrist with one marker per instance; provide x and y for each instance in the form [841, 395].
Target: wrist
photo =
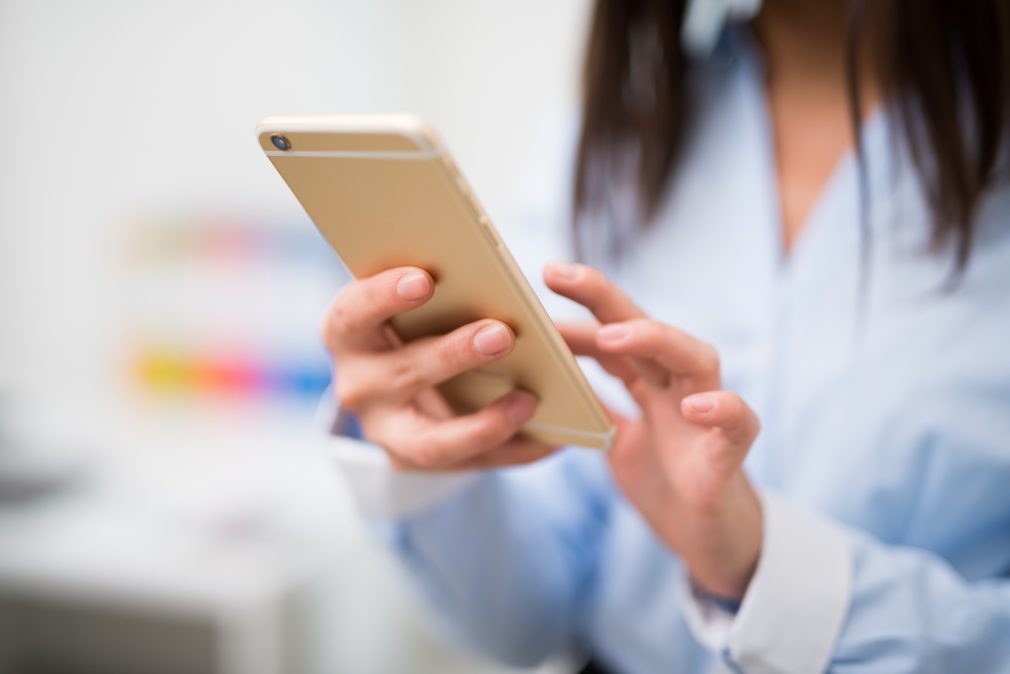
[727, 544]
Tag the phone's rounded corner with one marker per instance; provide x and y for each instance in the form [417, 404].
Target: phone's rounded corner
[265, 128]
[424, 135]
[269, 124]
[410, 126]
[609, 439]
[262, 123]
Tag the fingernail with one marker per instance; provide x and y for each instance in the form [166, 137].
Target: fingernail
[412, 286]
[701, 403]
[614, 332]
[563, 270]
[492, 339]
[521, 407]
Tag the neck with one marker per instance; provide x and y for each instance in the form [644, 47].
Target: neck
[804, 45]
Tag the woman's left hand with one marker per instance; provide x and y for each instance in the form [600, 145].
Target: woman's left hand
[679, 464]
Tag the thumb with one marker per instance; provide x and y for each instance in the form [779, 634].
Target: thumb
[726, 412]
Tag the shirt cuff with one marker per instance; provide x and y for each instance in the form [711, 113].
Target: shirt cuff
[380, 491]
[792, 613]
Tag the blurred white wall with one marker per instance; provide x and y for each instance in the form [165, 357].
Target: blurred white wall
[114, 110]
[115, 106]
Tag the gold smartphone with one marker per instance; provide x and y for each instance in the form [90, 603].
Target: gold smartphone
[385, 193]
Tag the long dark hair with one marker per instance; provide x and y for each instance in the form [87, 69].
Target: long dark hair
[944, 66]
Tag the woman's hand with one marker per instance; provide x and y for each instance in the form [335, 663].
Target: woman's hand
[391, 387]
[679, 464]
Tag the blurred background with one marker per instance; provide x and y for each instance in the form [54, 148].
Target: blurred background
[166, 500]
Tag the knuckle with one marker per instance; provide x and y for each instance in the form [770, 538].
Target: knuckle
[332, 338]
[652, 336]
[337, 323]
[422, 455]
[350, 395]
[742, 410]
[405, 376]
[709, 358]
[326, 333]
[593, 276]
[372, 427]
[493, 429]
[457, 351]
[648, 328]
[595, 283]
[479, 433]
[449, 354]
[732, 405]
[403, 447]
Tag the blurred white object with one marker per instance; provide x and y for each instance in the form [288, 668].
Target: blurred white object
[27, 471]
[36, 460]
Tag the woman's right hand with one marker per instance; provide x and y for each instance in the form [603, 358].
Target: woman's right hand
[391, 387]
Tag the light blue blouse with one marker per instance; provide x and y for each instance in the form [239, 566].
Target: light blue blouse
[885, 441]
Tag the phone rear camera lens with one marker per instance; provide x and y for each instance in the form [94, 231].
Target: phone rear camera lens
[280, 142]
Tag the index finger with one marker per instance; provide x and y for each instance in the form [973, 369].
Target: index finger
[360, 310]
[590, 288]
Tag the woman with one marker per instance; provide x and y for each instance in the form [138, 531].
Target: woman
[813, 218]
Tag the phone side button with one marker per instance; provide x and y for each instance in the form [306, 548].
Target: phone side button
[489, 232]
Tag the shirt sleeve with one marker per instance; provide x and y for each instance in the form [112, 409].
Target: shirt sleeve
[828, 598]
[795, 605]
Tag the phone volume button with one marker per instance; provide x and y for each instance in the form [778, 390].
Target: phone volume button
[489, 232]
